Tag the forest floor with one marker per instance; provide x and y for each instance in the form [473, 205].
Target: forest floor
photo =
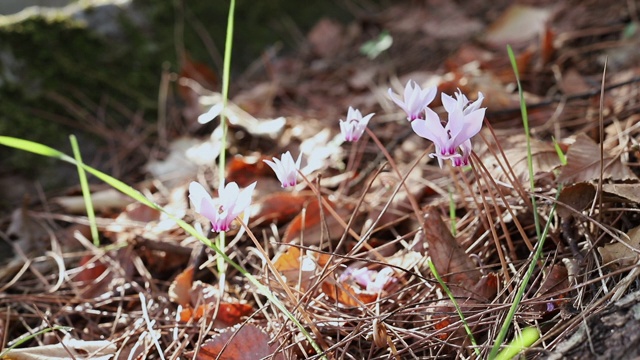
[343, 257]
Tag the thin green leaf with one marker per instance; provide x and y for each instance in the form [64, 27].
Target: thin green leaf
[86, 193]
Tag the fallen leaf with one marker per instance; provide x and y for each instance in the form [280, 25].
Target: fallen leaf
[583, 163]
[577, 196]
[347, 294]
[228, 314]
[90, 270]
[617, 255]
[68, 348]
[518, 23]
[102, 200]
[449, 258]
[203, 299]
[308, 228]
[544, 157]
[245, 170]
[180, 288]
[279, 207]
[248, 342]
[296, 267]
[630, 192]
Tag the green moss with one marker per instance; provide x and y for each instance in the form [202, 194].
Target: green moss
[59, 58]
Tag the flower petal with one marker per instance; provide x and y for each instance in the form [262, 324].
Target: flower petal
[197, 194]
[431, 128]
[471, 126]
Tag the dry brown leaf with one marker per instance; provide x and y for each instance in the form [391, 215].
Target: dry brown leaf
[245, 170]
[449, 258]
[248, 342]
[544, 157]
[347, 294]
[518, 23]
[90, 271]
[619, 255]
[68, 348]
[630, 192]
[583, 163]
[228, 314]
[577, 196]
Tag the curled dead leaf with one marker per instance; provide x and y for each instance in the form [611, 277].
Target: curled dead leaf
[583, 163]
[617, 255]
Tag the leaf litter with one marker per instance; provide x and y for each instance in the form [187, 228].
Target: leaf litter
[347, 243]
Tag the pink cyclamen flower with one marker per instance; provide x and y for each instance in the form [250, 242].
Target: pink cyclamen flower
[372, 280]
[464, 122]
[223, 210]
[353, 128]
[415, 100]
[286, 169]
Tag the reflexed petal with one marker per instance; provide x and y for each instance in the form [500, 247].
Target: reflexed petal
[471, 126]
[475, 105]
[431, 128]
[244, 199]
[197, 195]
[449, 103]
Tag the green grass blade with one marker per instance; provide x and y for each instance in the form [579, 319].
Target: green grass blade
[86, 193]
[541, 236]
[561, 155]
[31, 146]
[528, 336]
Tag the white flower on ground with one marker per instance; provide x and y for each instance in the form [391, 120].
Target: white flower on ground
[353, 128]
[415, 99]
[223, 210]
[286, 169]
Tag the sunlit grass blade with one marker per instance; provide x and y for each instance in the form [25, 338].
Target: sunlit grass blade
[522, 341]
[86, 193]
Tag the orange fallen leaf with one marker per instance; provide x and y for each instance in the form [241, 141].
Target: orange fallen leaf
[90, 271]
[279, 207]
[246, 343]
[180, 288]
[244, 170]
[228, 314]
[347, 295]
[308, 227]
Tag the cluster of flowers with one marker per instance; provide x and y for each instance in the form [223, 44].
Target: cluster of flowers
[452, 142]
